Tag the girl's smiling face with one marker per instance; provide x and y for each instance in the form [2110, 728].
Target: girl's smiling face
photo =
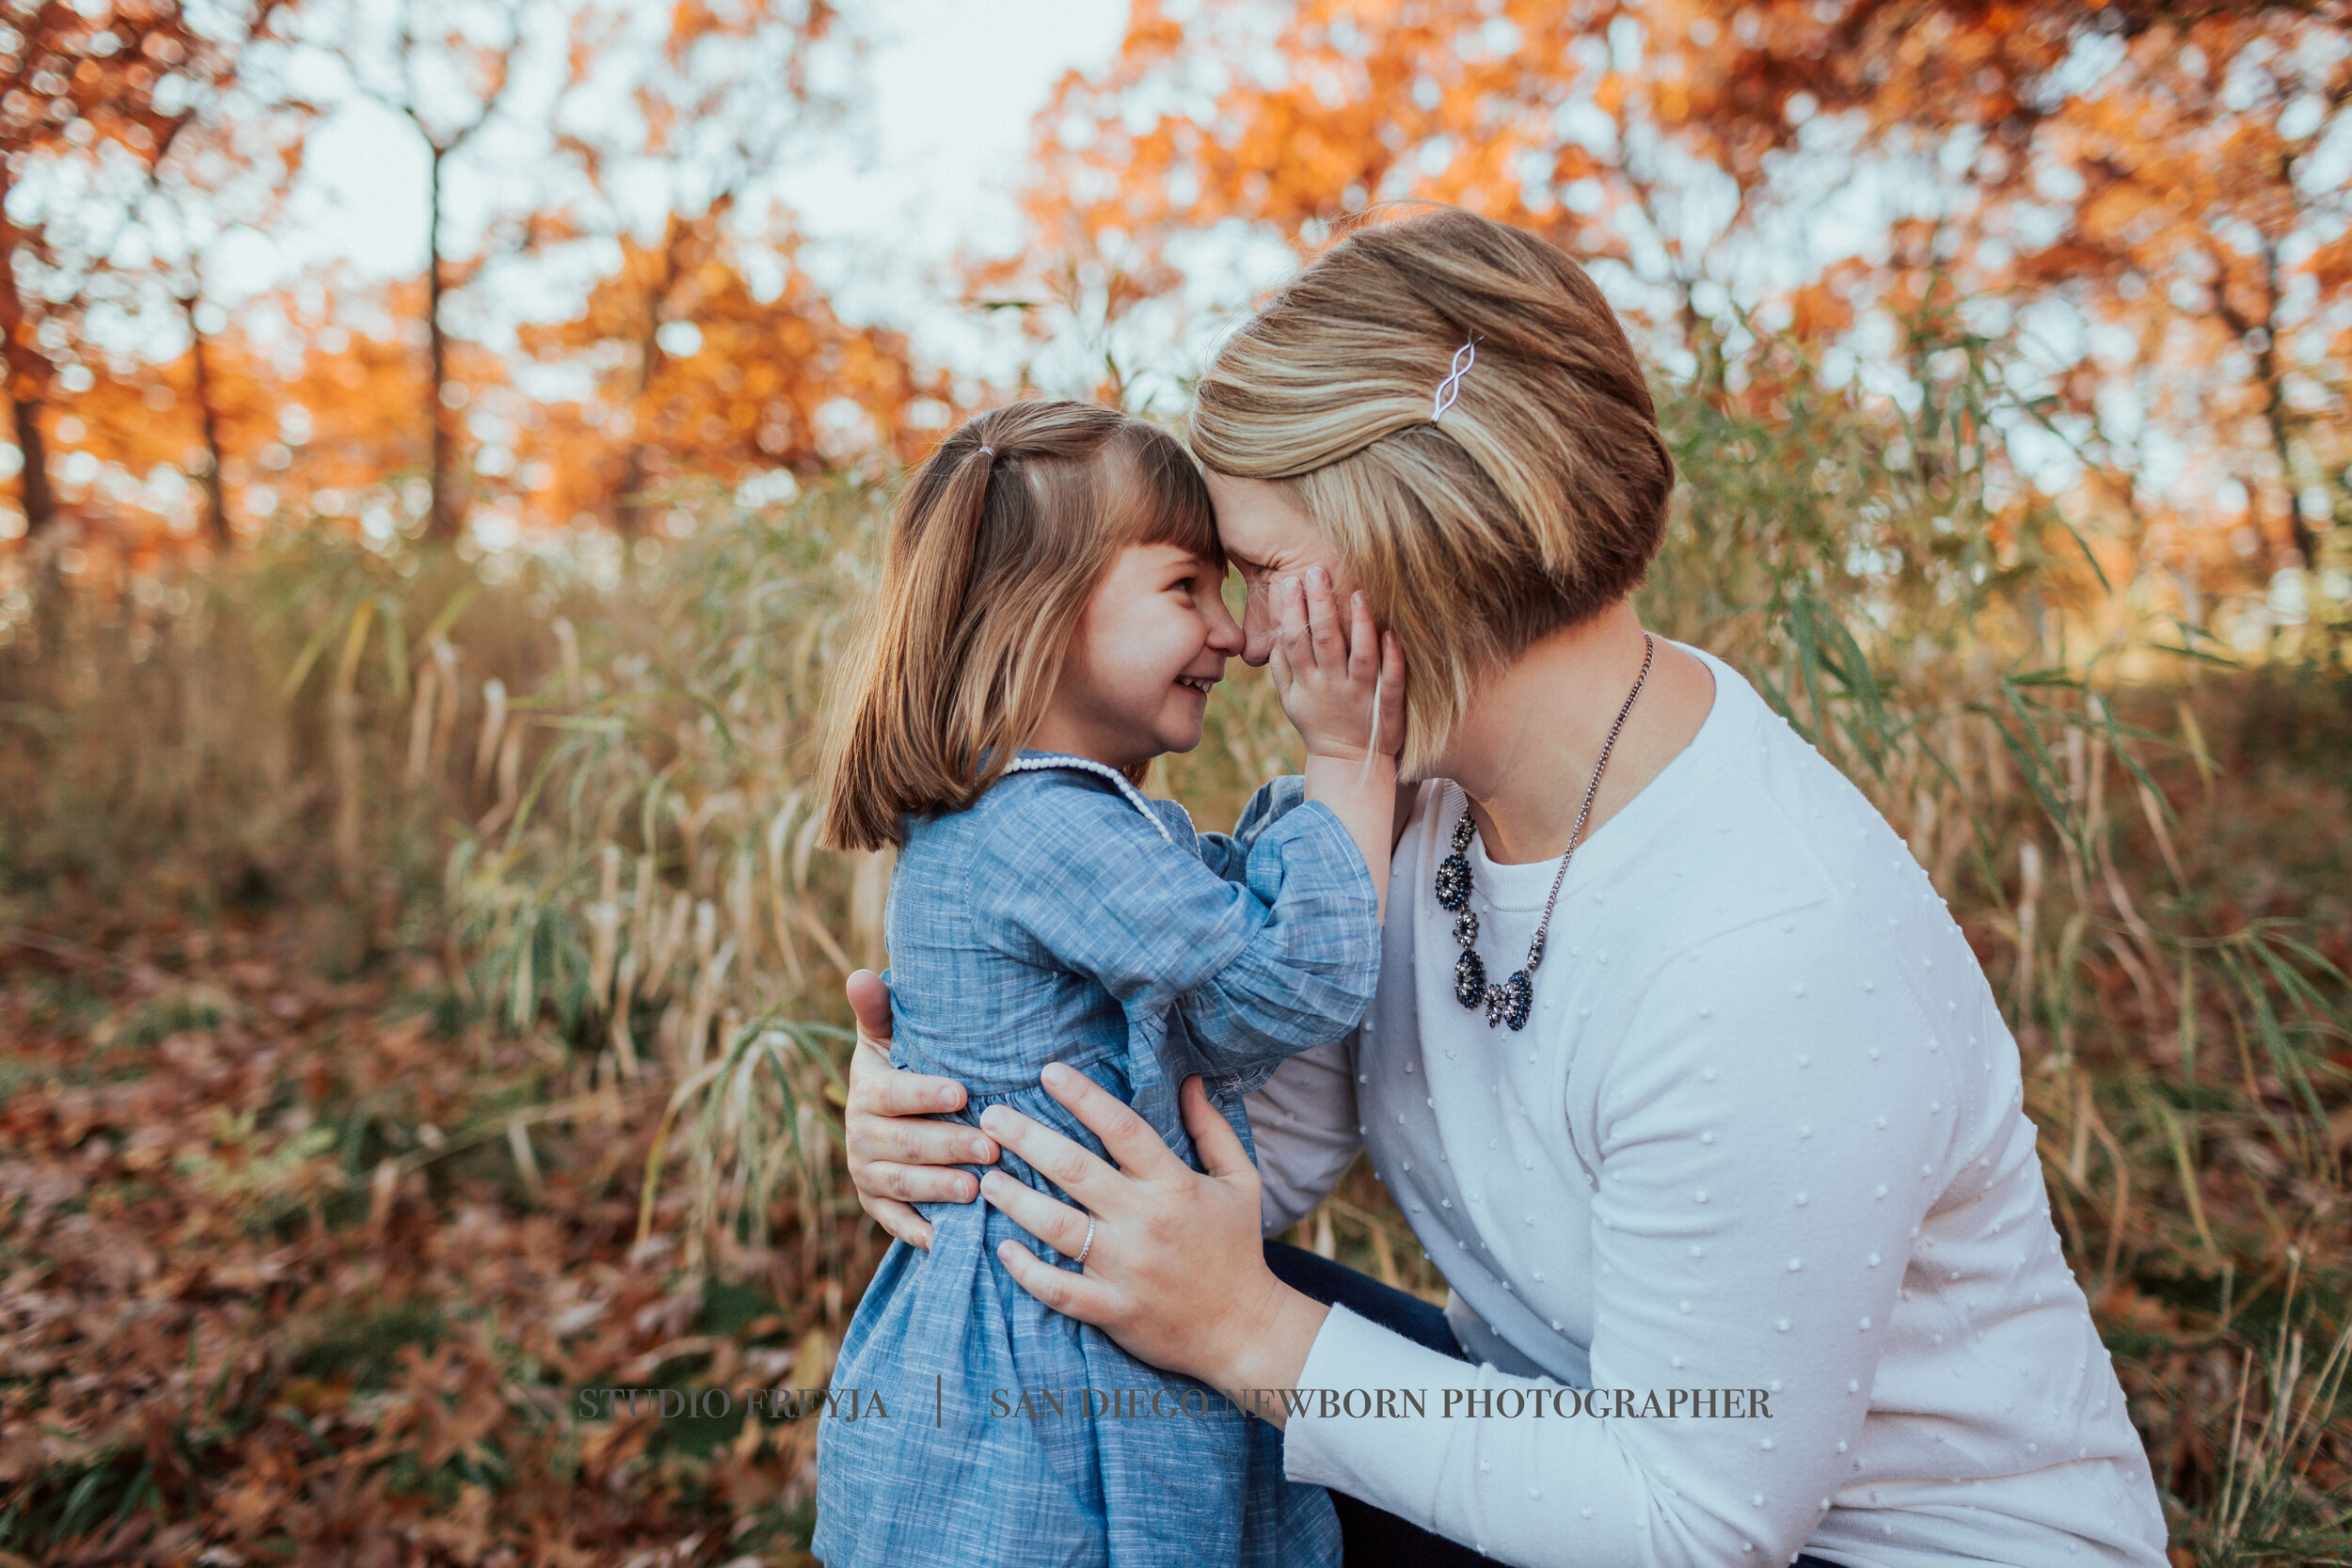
[1153, 641]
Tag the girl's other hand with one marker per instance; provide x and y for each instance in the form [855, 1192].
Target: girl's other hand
[1341, 679]
[896, 1148]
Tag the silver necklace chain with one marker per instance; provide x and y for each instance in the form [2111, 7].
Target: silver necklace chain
[1508, 1001]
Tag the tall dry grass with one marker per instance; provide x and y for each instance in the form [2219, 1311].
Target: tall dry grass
[596, 809]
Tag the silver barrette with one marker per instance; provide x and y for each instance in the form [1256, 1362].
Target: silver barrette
[990, 451]
[1450, 387]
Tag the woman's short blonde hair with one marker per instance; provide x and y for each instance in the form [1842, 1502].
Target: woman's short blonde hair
[995, 547]
[1533, 504]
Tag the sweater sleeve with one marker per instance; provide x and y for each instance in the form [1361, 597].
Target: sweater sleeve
[1758, 1174]
[1302, 1118]
[1282, 957]
[1303, 1122]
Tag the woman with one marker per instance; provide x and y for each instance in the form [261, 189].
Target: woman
[1678, 1068]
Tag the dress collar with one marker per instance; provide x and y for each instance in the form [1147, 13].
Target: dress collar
[1037, 762]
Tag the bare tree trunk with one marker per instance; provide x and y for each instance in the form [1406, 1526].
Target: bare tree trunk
[629, 508]
[25, 383]
[39, 500]
[216, 498]
[443, 523]
[628, 502]
[2299, 526]
[2274, 413]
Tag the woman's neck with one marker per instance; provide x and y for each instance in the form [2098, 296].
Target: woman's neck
[1525, 751]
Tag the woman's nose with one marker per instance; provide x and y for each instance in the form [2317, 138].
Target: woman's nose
[1225, 633]
[1257, 625]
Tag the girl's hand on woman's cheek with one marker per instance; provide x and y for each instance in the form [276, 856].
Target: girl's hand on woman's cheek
[1341, 681]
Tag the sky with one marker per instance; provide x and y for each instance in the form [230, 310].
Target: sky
[929, 169]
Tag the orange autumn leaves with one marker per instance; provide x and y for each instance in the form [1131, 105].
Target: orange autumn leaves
[706, 354]
[92, 98]
[691, 378]
[2161, 175]
[2158, 176]
[697, 378]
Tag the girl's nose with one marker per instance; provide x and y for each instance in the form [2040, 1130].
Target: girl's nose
[1225, 634]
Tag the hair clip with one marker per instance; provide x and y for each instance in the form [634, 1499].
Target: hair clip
[990, 451]
[1450, 387]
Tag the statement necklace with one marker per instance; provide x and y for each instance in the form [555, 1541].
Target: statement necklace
[1508, 1003]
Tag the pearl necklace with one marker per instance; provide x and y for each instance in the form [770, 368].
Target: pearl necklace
[1508, 1003]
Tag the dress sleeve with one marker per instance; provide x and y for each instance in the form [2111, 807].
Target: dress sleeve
[1303, 1123]
[1283, 956]
[1228, 854]
[1759, 1192]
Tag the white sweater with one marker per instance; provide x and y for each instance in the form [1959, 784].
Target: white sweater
[1763, 1130]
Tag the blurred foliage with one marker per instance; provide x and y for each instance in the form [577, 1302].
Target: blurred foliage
[2151, 197]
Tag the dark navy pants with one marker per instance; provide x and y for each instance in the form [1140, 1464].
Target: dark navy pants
[1370, 1537]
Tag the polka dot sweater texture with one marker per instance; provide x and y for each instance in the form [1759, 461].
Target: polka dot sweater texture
[1763, 1130]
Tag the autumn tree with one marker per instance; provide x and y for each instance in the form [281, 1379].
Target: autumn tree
[2156, 173]
[300, 400]
[2168, 172]
[675, 336]
[549, 112]
[227, 174]
[310, 394]
[447, 70]
[700, 376]
[91, 98]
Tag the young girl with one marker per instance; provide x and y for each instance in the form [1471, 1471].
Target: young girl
[1049, 620]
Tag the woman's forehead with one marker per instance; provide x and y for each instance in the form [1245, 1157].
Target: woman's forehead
[1257, 519]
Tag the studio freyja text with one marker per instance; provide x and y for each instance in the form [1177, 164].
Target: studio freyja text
[1190, 1401]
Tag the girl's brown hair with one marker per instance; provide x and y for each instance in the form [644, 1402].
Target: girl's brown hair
[1534, 503]
[992, 558]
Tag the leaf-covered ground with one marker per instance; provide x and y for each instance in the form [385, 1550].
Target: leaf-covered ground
[279, 1284]
[300, 1263]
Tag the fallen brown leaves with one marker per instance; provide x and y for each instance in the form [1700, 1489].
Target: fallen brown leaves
[275, 1285]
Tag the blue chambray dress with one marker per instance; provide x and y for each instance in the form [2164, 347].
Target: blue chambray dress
[1065, 918]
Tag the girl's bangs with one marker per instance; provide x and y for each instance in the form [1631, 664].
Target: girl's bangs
[1168, 501]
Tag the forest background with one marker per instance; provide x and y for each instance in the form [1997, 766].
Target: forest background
[420, 990]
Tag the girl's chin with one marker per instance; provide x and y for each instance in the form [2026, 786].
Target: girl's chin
[1179, 737]
[1182, 735]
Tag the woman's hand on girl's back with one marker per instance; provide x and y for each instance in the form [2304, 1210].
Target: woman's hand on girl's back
[896, 1150]
[1174, 1269]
